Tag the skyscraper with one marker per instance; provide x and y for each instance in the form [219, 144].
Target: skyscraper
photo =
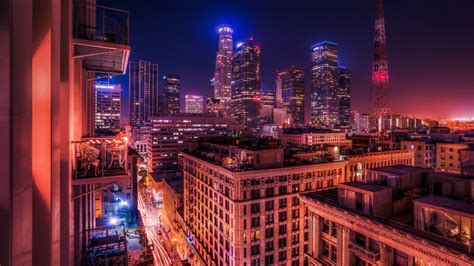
[172, 87]
[246, 84]
[194, 104]
[107, 108]
[223, 72]
[291, 83]
[380, 80]
[324, 87]
[143, 87]
[344, 95]
[267, 97]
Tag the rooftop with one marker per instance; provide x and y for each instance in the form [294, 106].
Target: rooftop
[365, 186]
[402, 169]
[447, 204]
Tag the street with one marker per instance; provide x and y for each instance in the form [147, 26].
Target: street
[155, 233]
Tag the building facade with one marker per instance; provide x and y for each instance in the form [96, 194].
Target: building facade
[425, 152]
[221, 82]
[246, 84]
[314, 138]
[143, 91]
[344, 96]
[170, 135]
[172, 93]
[448, 156]
[194, 104]
[291, 84]
[250, 217]
[369, 223]
[107, 108]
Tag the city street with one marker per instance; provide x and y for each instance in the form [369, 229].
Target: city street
[162, 248]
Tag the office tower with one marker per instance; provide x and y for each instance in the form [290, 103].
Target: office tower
[267, 97]
[143, 89]
[107, 108]
[246, 84]
[325, 83]
[380, 80]
[162, 108]
[214, 106]
[172, 87]
[290, 83]
[223, 73]
[194, 104]
[344, 96]
[170, 135]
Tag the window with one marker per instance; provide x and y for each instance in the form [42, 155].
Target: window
[269, 219]
[268, 259]
[255, 235]
[282, 203]
[325, 251]
[269, 232]
[283, 190]
[269, 205]
[255, 222]
[282, 242]
[269, 192]
[295, 201]
[282, 255]
[255, 208]
[269, 246]
[282, 216]
[333, 253]
[282, 229]
[255, 250]
[255, 194]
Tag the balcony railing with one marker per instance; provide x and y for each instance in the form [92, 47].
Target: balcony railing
[366, 253]
[96, 157]
[99, 23]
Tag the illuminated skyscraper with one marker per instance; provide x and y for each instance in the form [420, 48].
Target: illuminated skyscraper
[194, 104]
[267, 97]
[325, 80]
[380, 81]
[107, 108]
[291, 82]
[246, 84]
[330, 90]
[143, 86]
[223, 72]
[344, 95]
[172, 87]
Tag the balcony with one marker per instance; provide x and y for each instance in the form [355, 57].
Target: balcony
[364, 252]
[101, 37]
[100, 159]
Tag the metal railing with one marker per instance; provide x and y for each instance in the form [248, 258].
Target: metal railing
[369, 254]
[100, 23]
[101, 156]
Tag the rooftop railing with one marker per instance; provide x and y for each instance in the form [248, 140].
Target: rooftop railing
[100, 23]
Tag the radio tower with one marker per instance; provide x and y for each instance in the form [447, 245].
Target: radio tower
[379, 92]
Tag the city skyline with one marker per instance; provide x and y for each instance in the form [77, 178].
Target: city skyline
[410, 83]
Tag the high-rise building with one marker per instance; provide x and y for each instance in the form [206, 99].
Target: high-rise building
[380, 81]
[246, 84]
[162, 108]
[171, 134]
[223, 73]
[107, 108]
[194, 104]
[330, 88]
[291, 85]
[214, 106]
[172, 88]
[344, 96]
[267, 97]
[143, 89]
[324, 87]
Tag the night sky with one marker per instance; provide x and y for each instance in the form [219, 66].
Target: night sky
[430, 44]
